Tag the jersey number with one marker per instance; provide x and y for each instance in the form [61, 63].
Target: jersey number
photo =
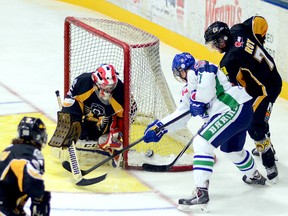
[260, 55]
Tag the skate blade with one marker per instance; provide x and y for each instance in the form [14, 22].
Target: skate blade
[194, 208]
[274, 180]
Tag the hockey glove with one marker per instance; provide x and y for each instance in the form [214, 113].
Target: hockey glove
[197, 108]
[153, 133]
[111, 140]
[19, 210]
[41, 206]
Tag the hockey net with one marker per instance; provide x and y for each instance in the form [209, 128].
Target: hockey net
[134, 53]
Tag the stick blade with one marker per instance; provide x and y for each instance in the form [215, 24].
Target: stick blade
[83, 181]
[155, 168]
[87, 182]
[66, 166]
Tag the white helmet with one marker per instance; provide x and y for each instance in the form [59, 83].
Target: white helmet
[105, 78]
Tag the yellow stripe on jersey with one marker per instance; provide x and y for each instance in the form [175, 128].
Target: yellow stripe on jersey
[224, 70]
[117, 107]
[257, 102]
[34, 173]
[83, 97]
[4, 155]
[241, 80]
[17, 167]
[4, 173]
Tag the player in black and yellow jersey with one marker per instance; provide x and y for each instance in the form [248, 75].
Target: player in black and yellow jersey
[248, 64]
[96, 100]
[22, 169]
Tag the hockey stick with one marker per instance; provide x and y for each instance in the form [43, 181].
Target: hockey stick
[165, 168]
[85, 172]
[74, 163]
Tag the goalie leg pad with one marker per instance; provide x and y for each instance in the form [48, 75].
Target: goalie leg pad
[65, 132]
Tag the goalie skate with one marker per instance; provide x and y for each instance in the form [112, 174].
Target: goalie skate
[198, 202]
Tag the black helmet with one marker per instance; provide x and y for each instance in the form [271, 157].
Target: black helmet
[33, 130]
[217, 30]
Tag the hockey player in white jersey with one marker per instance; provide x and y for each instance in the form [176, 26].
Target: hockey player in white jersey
[227, 111]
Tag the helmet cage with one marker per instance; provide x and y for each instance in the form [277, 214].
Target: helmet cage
[218, 42]
[177, 74]
[107, 88]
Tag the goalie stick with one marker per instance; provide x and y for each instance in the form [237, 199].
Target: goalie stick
[76, 172]
[165, 168]
[67, 166]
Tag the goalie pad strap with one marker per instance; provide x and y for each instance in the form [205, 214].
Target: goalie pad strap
[65, 131]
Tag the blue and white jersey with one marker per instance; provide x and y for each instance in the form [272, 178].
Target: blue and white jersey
[206, 83]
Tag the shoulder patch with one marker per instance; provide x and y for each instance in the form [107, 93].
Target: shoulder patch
[239, 42]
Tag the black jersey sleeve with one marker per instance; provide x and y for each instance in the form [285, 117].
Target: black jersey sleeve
[80, 90]
[29, 169]
[230, 66]
[33, 183]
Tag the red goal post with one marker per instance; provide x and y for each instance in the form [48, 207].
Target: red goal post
[89, 42]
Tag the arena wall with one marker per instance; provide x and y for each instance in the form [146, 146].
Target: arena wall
[181, 23]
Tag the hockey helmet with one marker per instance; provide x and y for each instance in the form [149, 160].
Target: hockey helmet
[216, 33]
[33, 130]
[182, 62]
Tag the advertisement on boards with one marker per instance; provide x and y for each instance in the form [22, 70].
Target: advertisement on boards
[190, 18]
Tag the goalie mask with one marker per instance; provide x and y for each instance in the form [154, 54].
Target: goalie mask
[105, 79]
[181, 63]
[33, 130]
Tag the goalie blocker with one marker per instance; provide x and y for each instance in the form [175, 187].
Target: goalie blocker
[66, 131]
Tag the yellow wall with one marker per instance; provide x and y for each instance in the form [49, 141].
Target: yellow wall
[171, 38]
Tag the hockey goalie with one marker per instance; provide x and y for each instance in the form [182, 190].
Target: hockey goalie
[92, 116]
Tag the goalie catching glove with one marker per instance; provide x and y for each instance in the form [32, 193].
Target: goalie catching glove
[153, 133]
[41, 207]
[113, 139]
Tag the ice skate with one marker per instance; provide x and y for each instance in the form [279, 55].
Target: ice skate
[255, 152]
[257, 179]
[198, 201]
[272, 173]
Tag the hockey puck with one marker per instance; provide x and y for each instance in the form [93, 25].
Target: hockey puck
[149, 153]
